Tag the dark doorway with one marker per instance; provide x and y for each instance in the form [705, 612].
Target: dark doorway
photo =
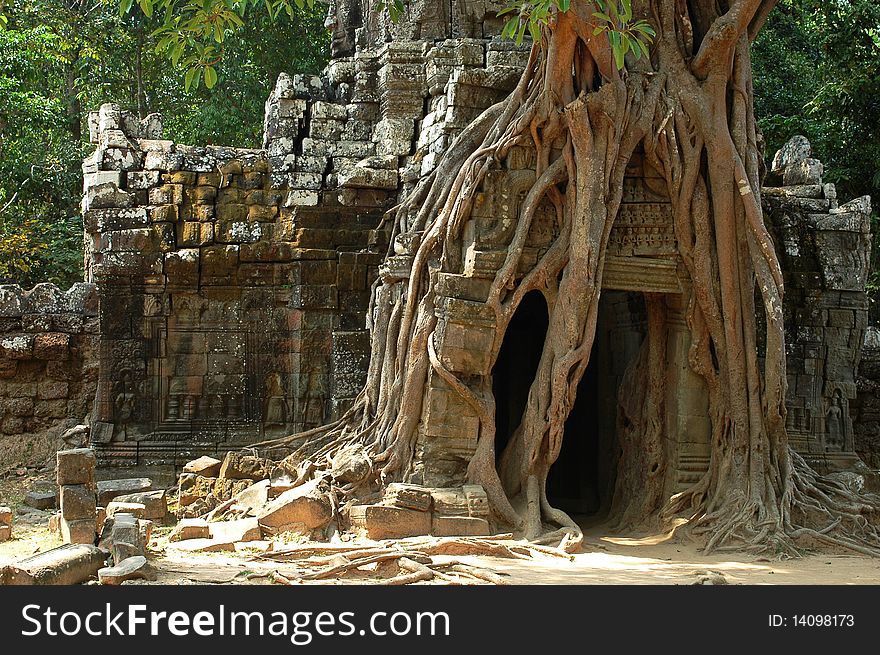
[517, 364]
[581, 480]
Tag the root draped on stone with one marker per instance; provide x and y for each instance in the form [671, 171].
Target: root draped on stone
[690, 110]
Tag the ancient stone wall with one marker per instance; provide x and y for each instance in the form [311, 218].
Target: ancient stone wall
[825, 253]
[48, 367]
[235, 283]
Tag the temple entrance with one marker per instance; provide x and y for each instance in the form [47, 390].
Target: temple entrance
[517, 364]
[581, 481]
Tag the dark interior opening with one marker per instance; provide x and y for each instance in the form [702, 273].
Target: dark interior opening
[581, 481]
[573, 483]
[517, 364]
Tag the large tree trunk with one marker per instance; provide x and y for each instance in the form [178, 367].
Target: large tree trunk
[690, 109]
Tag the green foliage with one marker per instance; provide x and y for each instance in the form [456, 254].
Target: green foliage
[613, 17]
[193, 34]
[61, 58]
[817, 73]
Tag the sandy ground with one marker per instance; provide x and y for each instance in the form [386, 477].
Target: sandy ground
[607, 559]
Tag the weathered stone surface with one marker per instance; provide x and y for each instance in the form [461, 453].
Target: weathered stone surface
[5, 515]
[459, 526]
[386, 522]
[190, 529]
[302, 509]
[351, 464]
[205, 466]
[408, 496]
[797, 149]
[78, 531]
[41, 499]
[114, 507]
[77, 502]
[66, 565]
[247, 529]
[254, 497]
[76, 466]
[126, 538]
[132, 568]
[155, 503]
[110, 489]
[238, 466]
[5, 533]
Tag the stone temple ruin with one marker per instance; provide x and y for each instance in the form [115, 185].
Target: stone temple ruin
[227, 289]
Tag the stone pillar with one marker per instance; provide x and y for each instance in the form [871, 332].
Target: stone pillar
[75, 471]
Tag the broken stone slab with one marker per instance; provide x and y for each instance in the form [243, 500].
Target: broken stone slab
[133, 568]
[254, 497]
[351, 464]
[459, 526]
[386, 522]
[155, 502]
[238, 466]
[126, 539]
[796, 150]
[234, 531]
[77, 502]
[78, 531]
[75, 466]
[190, 529]
[117, 507]
[302, 509]
[194, 488]
[807, 171]
[40, 499]
[208, 467]
[110, 489]
[66, 565]
[408, 496]
[467, 500]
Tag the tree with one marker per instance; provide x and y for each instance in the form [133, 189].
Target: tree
[689, 105]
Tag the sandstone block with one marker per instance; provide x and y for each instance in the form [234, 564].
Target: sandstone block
[408, 496]
[205, 466]
[247, 529]
[75, 466]
[115, 507]
[40, 499]
[302, 509]
[238, 466]
[459, 526]
[132, 568]
[78, 531]
[77, 502]
[110, 489]
[190, 529]
[155, 502]
[385, 522]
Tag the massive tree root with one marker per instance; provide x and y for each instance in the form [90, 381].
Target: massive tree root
[690, 109]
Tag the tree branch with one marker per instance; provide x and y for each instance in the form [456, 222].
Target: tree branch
[723, 35]
[760, 18]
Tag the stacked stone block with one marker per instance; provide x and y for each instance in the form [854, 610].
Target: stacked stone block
[824, 248]
[48, 360]
[5, 524]
[75, 471]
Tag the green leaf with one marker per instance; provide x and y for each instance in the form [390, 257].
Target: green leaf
[564, 5]
[189, 77]
[210, 77]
